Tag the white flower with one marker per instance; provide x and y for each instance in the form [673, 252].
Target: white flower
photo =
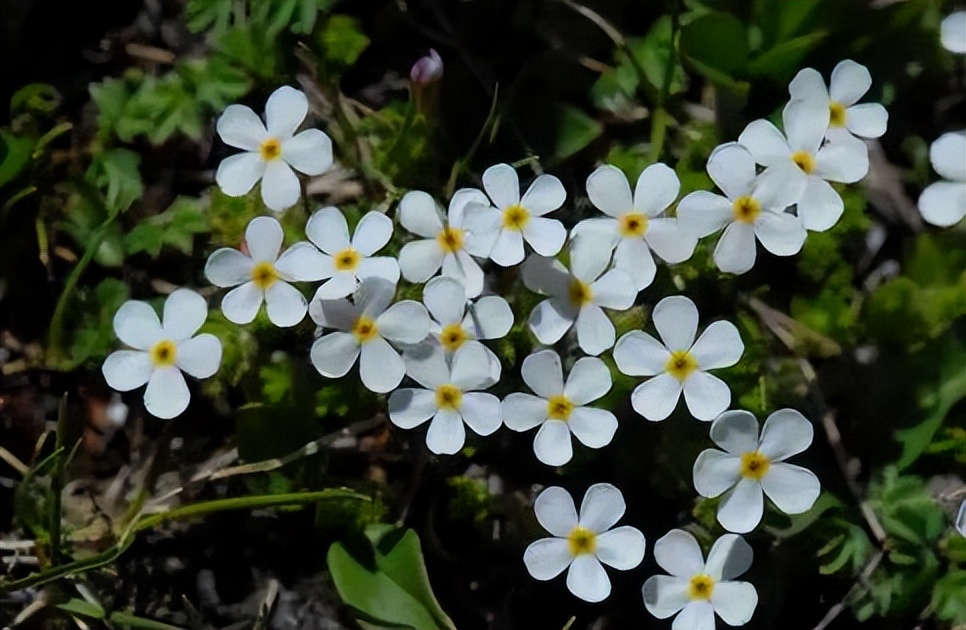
[952, 32]
[451, 397]
[365, 326]
[450, 245]
[699, 589]
[634, 223]
[753, 207]
[751, 465]
[679, 363]
[583, 542]
[805, 160]
[456, 322]
[521, 218]
[576, 296]
[558, 408]
[943, 203]
[162, 350]
[272, 150]
[347, 263]
[850, 81]
[264, 276]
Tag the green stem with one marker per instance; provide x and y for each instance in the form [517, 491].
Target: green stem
[459, 164]
[660, 117]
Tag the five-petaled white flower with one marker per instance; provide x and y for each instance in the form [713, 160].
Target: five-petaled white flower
[456, 323]
[699, 589]
[850, 81]
[634, 224]
[750, 465]
[952, 32]
[680, 363]
[451, 397]
[162, 349]
[520, 218]
[576, 296]
[264, 276]
[943, 203]
[272, 149]
[583, 542]
[347, 263]
[807, 160]
[753, 207]
[364, 327]
[449, 245]
[558, 408]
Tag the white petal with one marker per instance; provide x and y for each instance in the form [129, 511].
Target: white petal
[241, 128]
[471, 367]
[729, 557]
[410, 407]
[280, 186]
[507, 248]
[404, 322]
[656, 398]
[588, 258]
[602, 506]
[309, 152]
[779, 186]
[732, 166]
[718, 346]
[678, 553]
[844, 158]
[639, 354]
[943, 203]
[696, 615]
[734, 602]
[614, 290]
[241, 304]
[657, 188]
[702, 213]
[228, 267]
[546, 276]
[850, 81]
[665, 595]
[285, 110]
[736, 432]
[302, 262]
[372, 233]
[546, 236]
[952, 32]
[587, 579]
[948, 156]
[786, 433]
[544, 195]
[781, 234]
[340, 285]
[419, 260]
[633, 257]
[419, 214]
[137, 325]
[446, 434]
[501, 183]
[264, 239]
[555, 511]
[621, 548]
[552, 443]
[670, 240]
[522, 412]
[543, 373]
[465, 270]
[125, 370]
[384, 267]
[595, 332]
[200, 357]
[285, 305]
[714, 472]
[482, 412]
[589, 379]
[604, 230]
[482, 225]
[805, 121]
[706, 395]
[327, 228]
[609, 191]
[735, 251]
[594, 428]
[550, 320]
[333, 355]
[338, 314]
[741, 507]
[375, 294]
[460, 201]
[445, 299]
[765, 142]
[808, 83]
[167, 394]
[238, 174]
[792, 488]
[184, 313]
[547, 558]
[820, 206]
[869, 120]
[676, 320]
[489, 318]
[380, 367]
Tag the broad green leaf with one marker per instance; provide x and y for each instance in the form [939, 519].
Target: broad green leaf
[575, 130]
[786, 57]
[15, 152]
[82, 607]
[716, 44]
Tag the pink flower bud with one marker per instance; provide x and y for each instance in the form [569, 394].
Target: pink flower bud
[427, 69]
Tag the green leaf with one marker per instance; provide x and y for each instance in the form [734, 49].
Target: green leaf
[786, 57]
[209, 14]
[15, 152]
[175, 227]
[948, 602]
[342, 42]
[575, 130]
[117, 172]
[82, 607]
[94, 335]
[653, 53]
[254, 49]
[716, 44]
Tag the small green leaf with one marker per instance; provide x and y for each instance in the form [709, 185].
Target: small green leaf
[716, 44]
[342, 42]
[116, 171]
[15, 152]
[82, 607]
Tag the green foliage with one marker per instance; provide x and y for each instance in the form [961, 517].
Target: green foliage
[116, 173]
[342, 41]
[469, 499]
[93, 337]
[216, 16]
[175, 227]
[716, 45]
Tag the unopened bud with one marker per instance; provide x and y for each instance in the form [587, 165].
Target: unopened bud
[427, 69]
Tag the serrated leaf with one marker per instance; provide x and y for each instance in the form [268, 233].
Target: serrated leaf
[342, 42]
[116, 172]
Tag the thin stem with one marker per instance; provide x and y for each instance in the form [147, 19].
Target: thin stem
[459, 164]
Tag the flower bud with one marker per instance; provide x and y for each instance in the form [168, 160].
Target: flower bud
[427, 69]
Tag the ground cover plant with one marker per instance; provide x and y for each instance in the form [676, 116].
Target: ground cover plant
[483, 314]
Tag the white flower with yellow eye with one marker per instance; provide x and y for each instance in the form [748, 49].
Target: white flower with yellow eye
[450, 244]
[364, 328]
[559, 408]
[753, 208]
[272, 149]
[697, 589]
[520, 219]
[750, 466]
[679, 364]
[264, 275]
[451, 398]
[349, 262]
[582, 543]
[850, 81]
[943, 203]
[634, 224]
[162, 350]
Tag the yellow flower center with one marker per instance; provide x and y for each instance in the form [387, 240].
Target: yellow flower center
[836, 114]
[163, 353]
[804, 160]
[271, 149]
[452, 337]
[701, 587]
[264, 275]
[365, 329]
[559, 407]
[346, 260]
[746, 209]
[681, 364]
[633, 224]
[579, 292]
[449, 397]
[515, 217]
[581, 540]
[754, 465]
[450, 240]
